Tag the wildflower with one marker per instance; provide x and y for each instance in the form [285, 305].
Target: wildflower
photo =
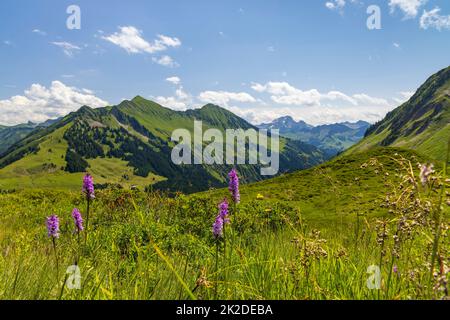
[395, 269]
[234, 186]
[218, 227]
[88, 186]
[88, 190]
[53, 226]
[425, 172]
[78, 219]
[223, 211]
[259, 197]
[221, 219]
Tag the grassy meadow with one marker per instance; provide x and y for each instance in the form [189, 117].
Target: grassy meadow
[313, 234]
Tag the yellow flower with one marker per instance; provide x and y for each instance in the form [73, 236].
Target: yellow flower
[259, 197]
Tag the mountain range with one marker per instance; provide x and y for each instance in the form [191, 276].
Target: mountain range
[130, 144]
[331, 139]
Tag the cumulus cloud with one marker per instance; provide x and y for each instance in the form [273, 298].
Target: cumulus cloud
[433, 19]
[410, 8]
[285, 94]
[223, 98]
[174, 80]
[180, 101]
[312, 115]
[314, 106]
[165, 61]
[131, 39]
[40, 103]
[68, 48]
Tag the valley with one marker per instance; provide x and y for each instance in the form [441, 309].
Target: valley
[312, 232]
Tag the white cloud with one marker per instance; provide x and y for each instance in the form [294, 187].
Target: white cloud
[174, 80]
[314, 106]
[409, 7]
[364, 99]
[284, 93]
[223, 98]
[396, 45]
[7, 42]
[168, 41]
[39, 103]
[180, 101]
[68, 48]
[335, 4]
[432, 19]
[131, 39]
[312, 115]
[165, 61]
[39, 32]
[404, 96]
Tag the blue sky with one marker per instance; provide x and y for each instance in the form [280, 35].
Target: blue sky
[315, 60]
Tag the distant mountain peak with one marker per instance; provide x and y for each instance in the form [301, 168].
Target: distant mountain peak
[85, 109]
[286, 122]
[286, 118]
[331, 138]
[211, 105]
[139, 98]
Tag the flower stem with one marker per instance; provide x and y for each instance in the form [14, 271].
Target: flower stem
[87, 220]
[438, 215]
[217, 270]
[56, 257]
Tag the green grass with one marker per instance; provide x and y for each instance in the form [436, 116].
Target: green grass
[313, 236]
[334, 191]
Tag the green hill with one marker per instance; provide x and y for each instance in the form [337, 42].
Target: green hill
[129, 144]
[336, 191]
[422, 123]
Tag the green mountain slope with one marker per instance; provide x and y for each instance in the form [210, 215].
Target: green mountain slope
[338, 190]
[129, 144]
[422, 123]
